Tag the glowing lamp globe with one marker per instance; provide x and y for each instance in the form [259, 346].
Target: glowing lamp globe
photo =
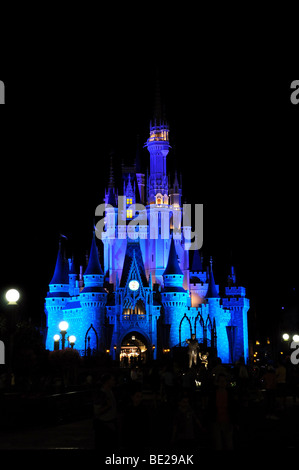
[56, 337]
[296, 338]
[72, 339]
[12, 296]
[63, 325]
[285, 337]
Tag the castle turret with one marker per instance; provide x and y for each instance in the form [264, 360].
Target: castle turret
[235, 300]
[93, 299]
[174, 296]
[57, 297]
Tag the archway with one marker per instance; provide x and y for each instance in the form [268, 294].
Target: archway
[134, 349]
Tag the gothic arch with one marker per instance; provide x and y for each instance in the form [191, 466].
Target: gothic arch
[180, 328]
[199, 319]
[136, 330]
[96, 334]
[208, 323]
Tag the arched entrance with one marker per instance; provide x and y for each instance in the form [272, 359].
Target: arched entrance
[134, 349]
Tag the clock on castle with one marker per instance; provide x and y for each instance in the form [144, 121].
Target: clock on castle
[147, 295]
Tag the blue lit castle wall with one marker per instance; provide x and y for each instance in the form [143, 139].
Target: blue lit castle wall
[147, 286]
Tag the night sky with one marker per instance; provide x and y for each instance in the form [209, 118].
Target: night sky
[234, 138]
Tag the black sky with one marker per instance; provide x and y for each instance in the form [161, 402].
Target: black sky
[234, 137]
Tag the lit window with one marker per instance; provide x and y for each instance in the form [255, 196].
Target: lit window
[129, 214]
[129, 201]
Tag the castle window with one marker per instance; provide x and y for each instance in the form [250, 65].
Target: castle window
[129, 201]
[129, 214]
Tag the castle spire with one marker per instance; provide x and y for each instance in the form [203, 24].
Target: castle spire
[60, 275]
[157, 107]
[173, 264]
[212, 290]
[196, 262]
[93, 266]
[111, 195]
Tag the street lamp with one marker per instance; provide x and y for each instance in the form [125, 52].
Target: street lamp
[56, 342]
[12, 296]
[63, 326]
[296, 338]
[285, 337]
[72, 340]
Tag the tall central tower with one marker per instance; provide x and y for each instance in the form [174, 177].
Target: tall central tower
[158, 147]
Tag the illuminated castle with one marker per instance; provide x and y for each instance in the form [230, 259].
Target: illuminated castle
[150, 292]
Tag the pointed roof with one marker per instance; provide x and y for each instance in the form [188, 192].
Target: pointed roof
[111, 197]
[212, 290]
[196, 262]
[61, 269]
[173, 264]
[93, 266]
[133, 254]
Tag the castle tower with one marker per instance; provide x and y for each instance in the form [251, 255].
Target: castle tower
[174, 297]
[158, 147]
[93, 299]
[237, 330]
[57, 297]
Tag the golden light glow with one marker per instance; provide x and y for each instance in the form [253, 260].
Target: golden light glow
[129, 213]
[158, 135]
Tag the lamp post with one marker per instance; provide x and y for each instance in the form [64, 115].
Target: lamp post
[63, 326]
[12, 296]
[56, 342]
[72, 340]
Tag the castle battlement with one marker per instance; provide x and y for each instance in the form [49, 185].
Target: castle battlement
[236, 291]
